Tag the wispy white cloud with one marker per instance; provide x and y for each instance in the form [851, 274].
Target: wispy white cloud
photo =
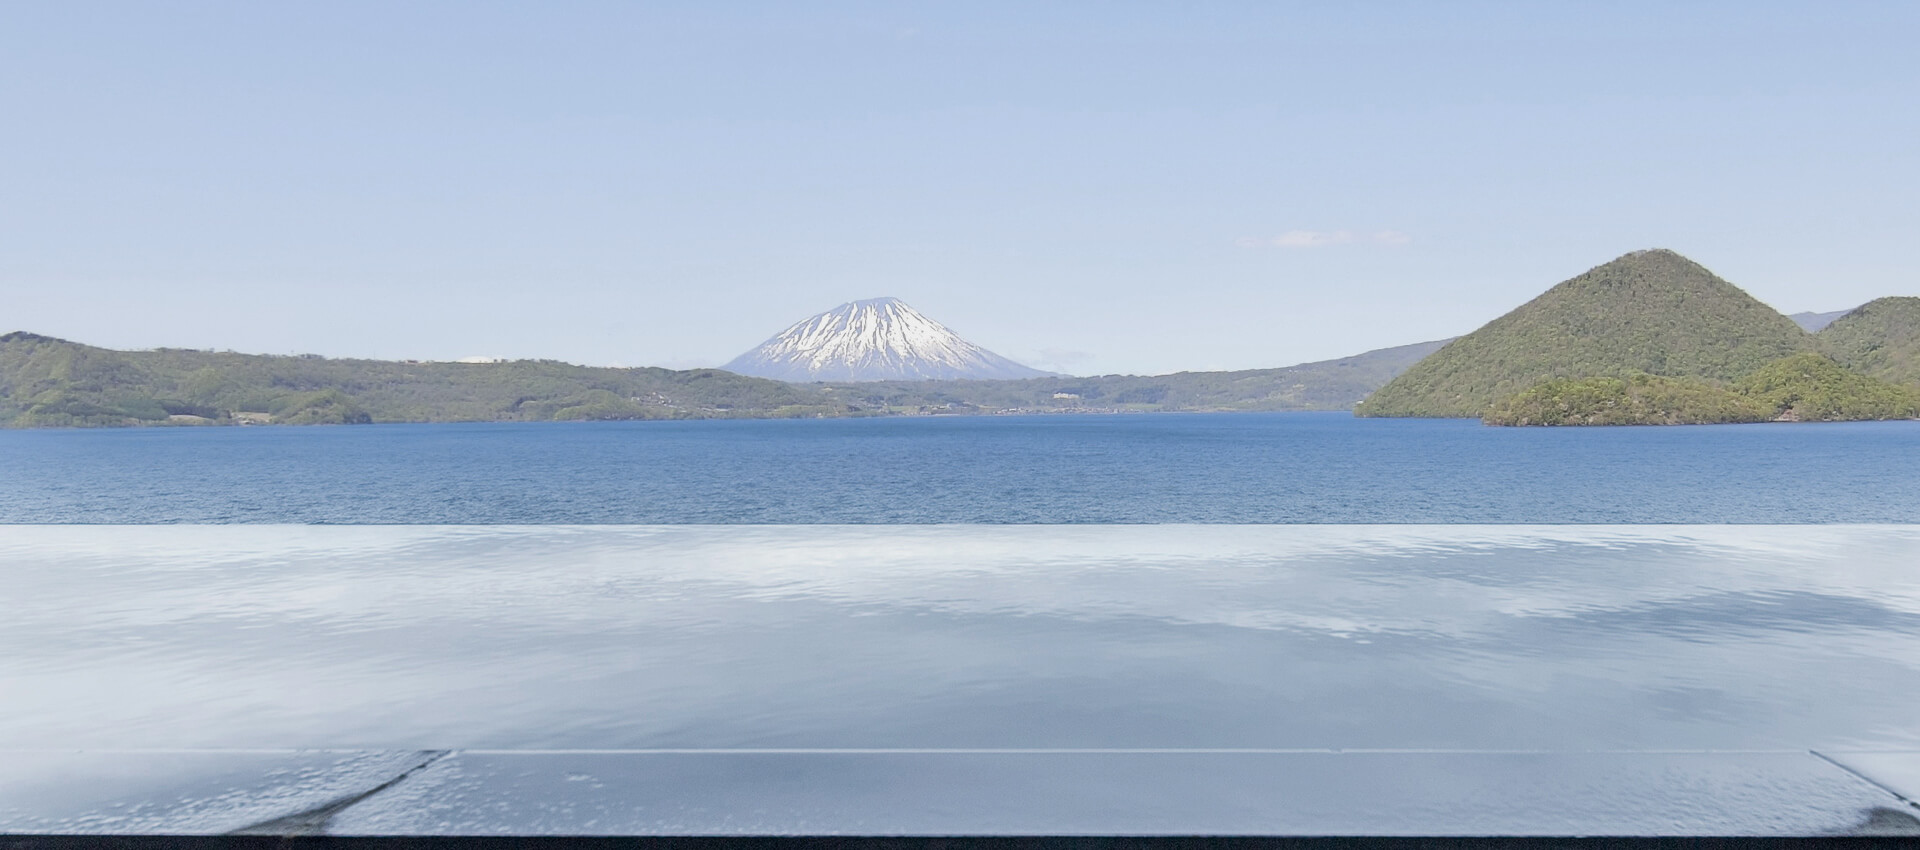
[1322, 238]
[1312, 238]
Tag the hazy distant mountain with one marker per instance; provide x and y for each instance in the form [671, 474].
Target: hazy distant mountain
[1652, 312]
[1880, 338]
[1813, 322]
[1321, 385]
[879, 339]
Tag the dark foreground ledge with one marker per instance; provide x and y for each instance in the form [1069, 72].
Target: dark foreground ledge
[1237, 842]
[927, 799]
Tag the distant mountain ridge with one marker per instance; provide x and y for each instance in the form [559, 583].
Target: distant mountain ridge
[1321, 385]
[1648, 312]
[1813, 323]
[46, 381]
[878, 339]
[49, 382]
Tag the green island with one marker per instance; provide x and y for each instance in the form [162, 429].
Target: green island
[1652, 312]
[1652, 338]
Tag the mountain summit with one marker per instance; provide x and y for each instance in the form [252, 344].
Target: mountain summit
[879, 339]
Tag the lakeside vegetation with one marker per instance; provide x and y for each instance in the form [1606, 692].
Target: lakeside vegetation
[1634, 400]
[1806, 387]
[48, 382]
[1813, 388]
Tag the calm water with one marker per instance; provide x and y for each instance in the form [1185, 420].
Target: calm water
[1240, 468]
[1475, 637]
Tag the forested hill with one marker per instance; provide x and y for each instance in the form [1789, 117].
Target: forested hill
[1880, 339]
[1648, 312]
[52, 382]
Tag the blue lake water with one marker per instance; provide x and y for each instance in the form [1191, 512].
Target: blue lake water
[1219, 468]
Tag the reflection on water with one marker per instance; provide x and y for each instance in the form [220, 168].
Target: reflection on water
[1471, 637]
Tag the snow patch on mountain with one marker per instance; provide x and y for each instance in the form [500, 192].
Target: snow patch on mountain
[879, 339]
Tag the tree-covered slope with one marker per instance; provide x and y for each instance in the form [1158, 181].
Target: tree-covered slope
[1652, 312]
[1804, 387]
[1633, 400]
[1810, 387]
[1880, 338]
[46, 381]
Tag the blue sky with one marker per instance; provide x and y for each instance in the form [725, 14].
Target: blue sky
[1093, 188]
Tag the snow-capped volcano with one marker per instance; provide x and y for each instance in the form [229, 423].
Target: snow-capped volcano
[879, 339]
